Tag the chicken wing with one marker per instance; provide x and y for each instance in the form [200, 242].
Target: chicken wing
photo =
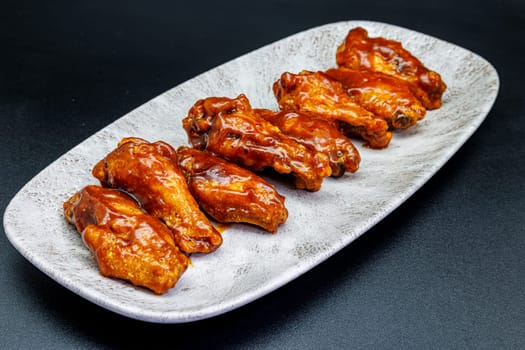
[317, 93]
[126, 242]
[230, 193]
[319, 134]
[381, 94]
[359, 51]
[231, 129]
[149, 172]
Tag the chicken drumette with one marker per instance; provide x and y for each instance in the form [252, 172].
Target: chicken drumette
[150, 173]
[317, 93]
[230, 193]
[381, 94]
[127, 243]
[361, 52]
[231, 129]
[319, 134]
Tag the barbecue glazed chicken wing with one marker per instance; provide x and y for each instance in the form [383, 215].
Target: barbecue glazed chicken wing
[319, 134]
[231, 129]
[230, 193]
[361, 52]
[317, 93]
[149, 172]
[126, 242]
[385, 96]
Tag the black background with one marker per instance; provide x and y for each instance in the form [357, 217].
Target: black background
[444, 270]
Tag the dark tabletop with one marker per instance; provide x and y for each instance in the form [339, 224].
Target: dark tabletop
[446, 270]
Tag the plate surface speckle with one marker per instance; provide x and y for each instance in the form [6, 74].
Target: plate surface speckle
[252, 263]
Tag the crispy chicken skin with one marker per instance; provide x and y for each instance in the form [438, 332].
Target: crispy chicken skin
[381, 94]
[126, 242]
[149, 172]
[231, 129]
[317, 93]
[230, 193]
[361, 52]
[317, 133]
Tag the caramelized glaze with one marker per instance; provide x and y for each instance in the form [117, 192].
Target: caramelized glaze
[230, 193]
[149, 172]
[319, 134]
[317, 93]
[127, 243]
[361, 52]
[381, 94]
[231, 129]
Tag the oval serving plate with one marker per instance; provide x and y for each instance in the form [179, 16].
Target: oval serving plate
[252, 263]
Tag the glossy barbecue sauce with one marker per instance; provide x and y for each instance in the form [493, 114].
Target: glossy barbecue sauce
[230, 193]
[126, 242]
[148, 171]
[359, 51]
[319, 134]
[230, 128]
[317, 93]
[384, 95]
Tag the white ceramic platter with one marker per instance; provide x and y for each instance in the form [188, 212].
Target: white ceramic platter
[252, 263]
